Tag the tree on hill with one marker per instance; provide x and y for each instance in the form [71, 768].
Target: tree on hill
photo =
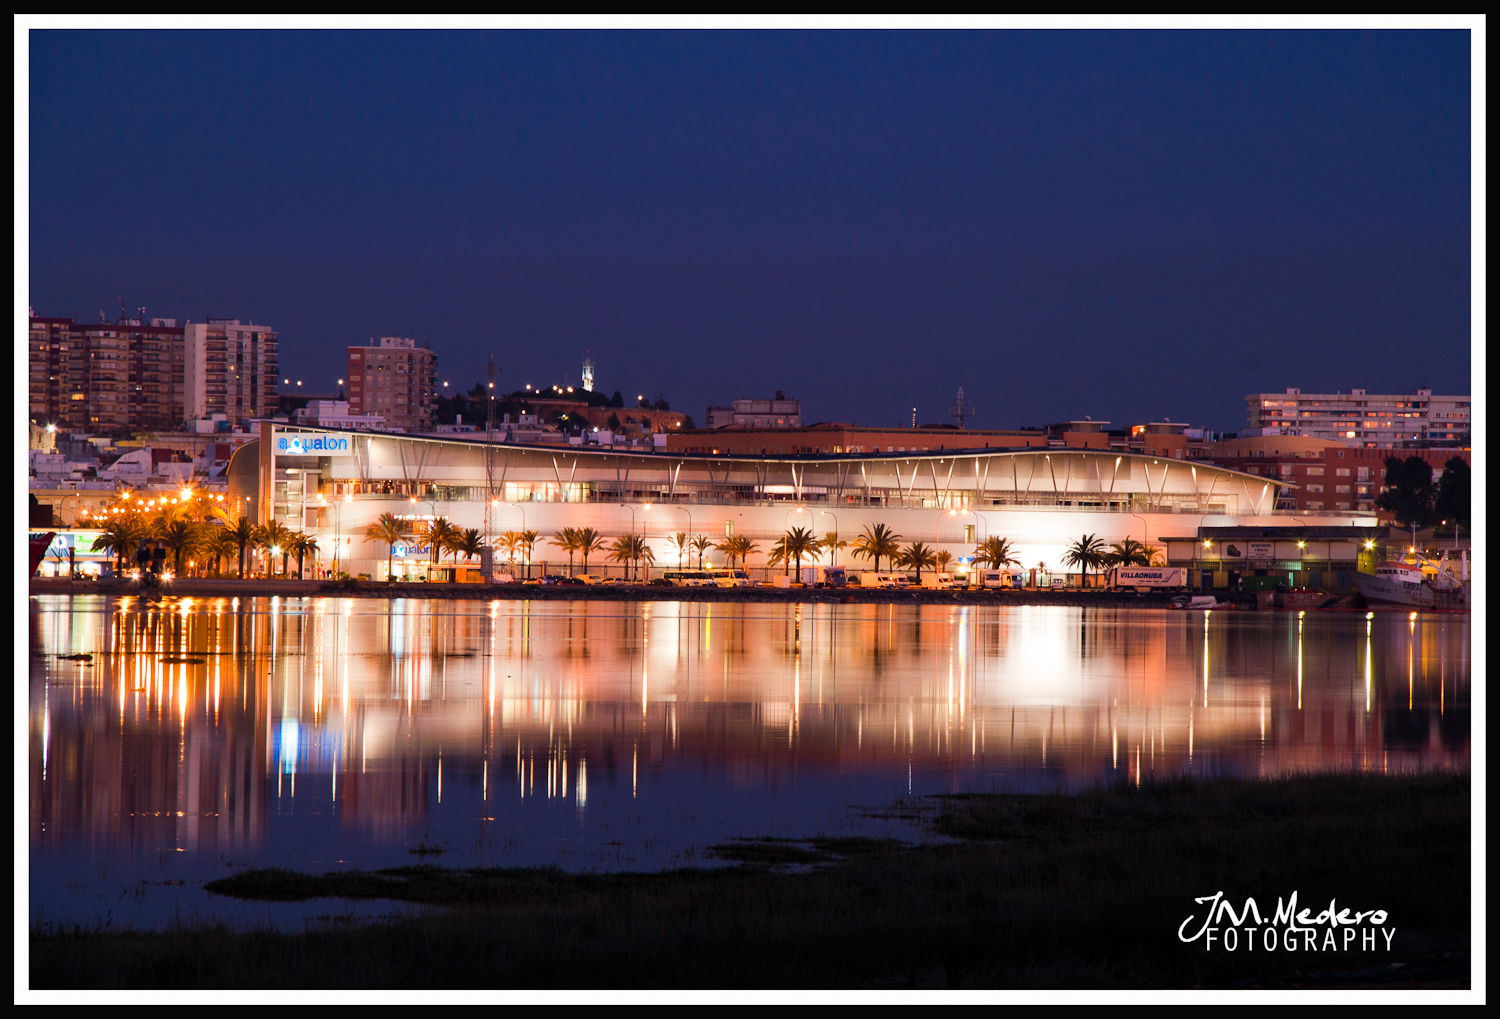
[1452, 502]
[1409, 491]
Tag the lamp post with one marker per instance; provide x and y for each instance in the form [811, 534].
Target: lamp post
[833, 552]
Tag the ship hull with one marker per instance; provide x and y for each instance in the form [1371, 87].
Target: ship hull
[1380, 591]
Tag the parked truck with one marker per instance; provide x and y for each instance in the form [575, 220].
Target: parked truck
[824, 576]
[883, 580]
[1148, 578]
[997, 578]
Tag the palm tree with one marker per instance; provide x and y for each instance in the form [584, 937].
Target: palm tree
[302, 545]
[121, 535]
[243, 532]
[1128, 553]
[469, 544]
[567, 540]
[701, 544]
[438, 533]
[1086, 553]
[996, 552]
[273, 538]
[628, 549]
[793, 546]
[680, 541]
[220, 545]
[389, 529]
[180, 537]
[589, 540]
[942, 560]
[877, 542]
[737, 547]
[832, 544]
[916, 556]
[527, 541]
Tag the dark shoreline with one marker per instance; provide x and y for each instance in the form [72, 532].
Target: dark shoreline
[1088, 890]
[632, 592]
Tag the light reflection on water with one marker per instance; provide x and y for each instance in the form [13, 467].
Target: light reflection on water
[208, 736]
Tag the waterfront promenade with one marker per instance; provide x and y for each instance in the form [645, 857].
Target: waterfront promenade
[263, 588]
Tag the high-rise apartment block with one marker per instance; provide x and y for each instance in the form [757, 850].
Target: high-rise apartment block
[1358, 418]
[139, 375]
[396, 379]
[230, 368]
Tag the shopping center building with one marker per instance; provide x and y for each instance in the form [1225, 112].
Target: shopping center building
[334, 483]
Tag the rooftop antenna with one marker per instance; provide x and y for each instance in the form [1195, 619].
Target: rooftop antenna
[489, 418]
[961, 409]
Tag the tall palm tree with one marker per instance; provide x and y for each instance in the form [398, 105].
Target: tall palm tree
[680, 541]
[527, 542]
[302, 545]
[629, 549]
[996, 552]
[831, 544]
[273, 538]
[242, 529]
[567, 539]
[737, 547]
[220, 545]
[438, 533]
[917, 556]
[701, 543]
[877, 542]
[942, 560]
[179, 537]
[389, 529]
[1086, 553]
[589, 540]
[795, 545]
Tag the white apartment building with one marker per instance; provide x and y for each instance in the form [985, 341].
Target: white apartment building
[229, 368]
[1358, 418]
[779, 412]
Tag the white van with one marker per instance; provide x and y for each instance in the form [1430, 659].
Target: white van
[886, 580]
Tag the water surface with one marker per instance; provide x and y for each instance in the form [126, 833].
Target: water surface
[207, 736]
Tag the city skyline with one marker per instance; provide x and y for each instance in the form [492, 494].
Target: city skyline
[1126, 225]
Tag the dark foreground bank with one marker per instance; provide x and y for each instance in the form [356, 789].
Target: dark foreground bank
[1087, 891]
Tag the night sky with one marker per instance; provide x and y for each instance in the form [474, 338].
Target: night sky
[1124, 225]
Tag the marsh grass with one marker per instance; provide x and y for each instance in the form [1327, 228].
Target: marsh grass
[1079, 891]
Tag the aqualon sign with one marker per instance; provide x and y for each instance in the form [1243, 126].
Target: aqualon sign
[300, 444]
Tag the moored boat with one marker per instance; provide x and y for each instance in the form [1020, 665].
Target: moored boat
[39, 544]
[1421, 585]
[1195, 601]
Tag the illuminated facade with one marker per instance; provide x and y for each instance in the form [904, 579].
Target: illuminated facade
[334, 484]
[396, 379]
[1358, 418]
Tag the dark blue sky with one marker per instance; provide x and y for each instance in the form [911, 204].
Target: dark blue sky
[1126, 225]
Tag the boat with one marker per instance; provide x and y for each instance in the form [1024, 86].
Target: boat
[1195, 601]
[39, 545]
[1424, 584]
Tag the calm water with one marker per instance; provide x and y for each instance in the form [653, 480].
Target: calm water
[208, 736]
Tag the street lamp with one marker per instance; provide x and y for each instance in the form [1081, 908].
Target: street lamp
[833, 552]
